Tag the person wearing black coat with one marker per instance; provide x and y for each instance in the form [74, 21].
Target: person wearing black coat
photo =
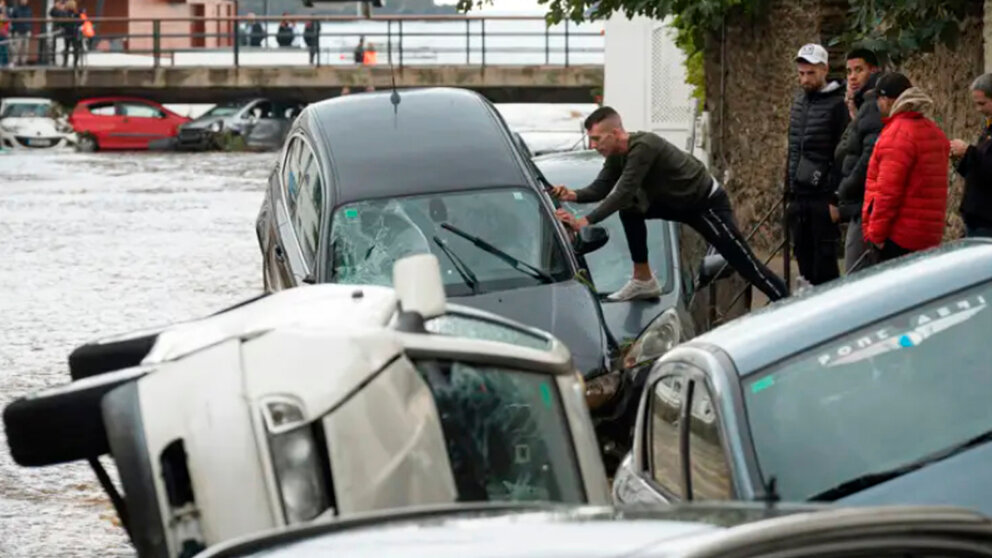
[974, 163]
[817, 122]
[854, 153]
[311, 36]
[285, 34]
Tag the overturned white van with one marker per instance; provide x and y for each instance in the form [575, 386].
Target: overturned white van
[314, 403]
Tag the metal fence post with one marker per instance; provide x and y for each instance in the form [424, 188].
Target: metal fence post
[566, 43]
[237, 43]
[156, 41]
[787, 248]
[468, 41]
[389, 42]
[483, 22]
[401, 44]
[547, 44]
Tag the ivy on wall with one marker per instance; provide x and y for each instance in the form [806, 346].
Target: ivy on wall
[893, 28]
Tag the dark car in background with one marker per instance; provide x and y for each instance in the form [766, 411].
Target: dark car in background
[366, 179]
[262, 124]
[869, 390]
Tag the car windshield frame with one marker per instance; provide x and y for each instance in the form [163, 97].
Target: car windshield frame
[610, 265]
[883, 360]
[421, 211]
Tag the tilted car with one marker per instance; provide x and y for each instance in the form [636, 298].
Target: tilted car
[869, 390]
[31, 122]
[707, 530]
[261, 123]
[314, 404]
[366, 179]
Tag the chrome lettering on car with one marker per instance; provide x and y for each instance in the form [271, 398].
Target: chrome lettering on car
[924, 325]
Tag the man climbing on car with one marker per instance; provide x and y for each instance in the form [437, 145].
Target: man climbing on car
[652, 179]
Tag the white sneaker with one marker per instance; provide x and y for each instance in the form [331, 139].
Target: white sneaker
[637, 289]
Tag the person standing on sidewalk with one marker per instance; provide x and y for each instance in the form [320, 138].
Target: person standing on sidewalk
[974, 163]
[646, 177]
[20, 33]
[906, 187]
[816, 124]
[855, 150]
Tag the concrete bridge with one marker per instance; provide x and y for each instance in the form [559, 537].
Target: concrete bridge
[209, 60]
[501, 84]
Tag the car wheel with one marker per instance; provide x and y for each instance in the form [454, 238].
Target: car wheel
[62, 424]
[87, 144]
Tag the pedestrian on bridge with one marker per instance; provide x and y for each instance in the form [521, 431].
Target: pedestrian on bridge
[652, 179]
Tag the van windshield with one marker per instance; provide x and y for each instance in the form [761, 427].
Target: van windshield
[369, 236]
[506, 431]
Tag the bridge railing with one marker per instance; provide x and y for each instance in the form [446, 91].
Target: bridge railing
[478, 41]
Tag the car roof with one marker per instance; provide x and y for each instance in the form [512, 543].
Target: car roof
[779, 330]
[26, 100]
[434, 140]
[520, 529]
[115, 99]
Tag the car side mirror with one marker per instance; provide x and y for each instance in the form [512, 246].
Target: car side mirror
[714, 268]
[590, 239]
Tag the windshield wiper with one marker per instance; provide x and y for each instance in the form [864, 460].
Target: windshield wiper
[470, 279]
[869, 480]
[514, 262]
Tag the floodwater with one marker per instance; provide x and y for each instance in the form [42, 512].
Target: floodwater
[104, 243]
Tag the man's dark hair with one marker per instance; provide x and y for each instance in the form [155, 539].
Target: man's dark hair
[892, 84]
[863, 53]
[599, 115]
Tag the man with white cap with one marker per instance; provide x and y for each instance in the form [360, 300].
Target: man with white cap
[817, 122]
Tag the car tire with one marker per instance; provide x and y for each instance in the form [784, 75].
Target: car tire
[62, 424]
[87, 144]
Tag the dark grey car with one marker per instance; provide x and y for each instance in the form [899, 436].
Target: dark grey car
[869, 390]
[261, 123]
[702, 530]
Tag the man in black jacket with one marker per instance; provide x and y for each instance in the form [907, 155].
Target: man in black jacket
[646, 177]
[854, 153]
[975, 165]
[817, 121]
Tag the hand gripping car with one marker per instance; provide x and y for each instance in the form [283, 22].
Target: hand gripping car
[315, 403]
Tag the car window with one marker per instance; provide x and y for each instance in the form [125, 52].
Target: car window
[103, 109]
[306, 197]
[506, 431]
[367, 237]
[919, 380]
[26, 110]
[708, 469]
[662, 441]
[610, 265]
[140, 110]
[462, 325]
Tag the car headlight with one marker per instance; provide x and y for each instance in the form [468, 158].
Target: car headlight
[216, 126]
[657, 339]
[295, 460]
[10, 128]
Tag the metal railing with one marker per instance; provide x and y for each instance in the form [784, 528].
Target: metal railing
[253, 41]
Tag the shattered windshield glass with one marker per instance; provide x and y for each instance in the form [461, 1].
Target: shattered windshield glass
[506, 432]
[368, 237]
[918, 380]
[478, 328]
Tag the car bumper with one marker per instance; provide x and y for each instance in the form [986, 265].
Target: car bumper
[13, 141]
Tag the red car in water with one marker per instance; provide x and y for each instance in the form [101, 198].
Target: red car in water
[122, 123]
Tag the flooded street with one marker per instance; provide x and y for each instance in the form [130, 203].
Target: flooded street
[96, 245]
[105, 243]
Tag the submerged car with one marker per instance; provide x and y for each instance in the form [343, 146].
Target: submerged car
[699, 530]
[30, 122]
[314, 404]
[262, 124]
[869, 390]
[126, 123]
[366, 179]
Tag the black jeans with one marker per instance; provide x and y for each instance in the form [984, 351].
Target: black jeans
[815, 239]
[715, 222]
[890, 251]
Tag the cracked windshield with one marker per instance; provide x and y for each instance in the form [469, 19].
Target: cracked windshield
[368, 237]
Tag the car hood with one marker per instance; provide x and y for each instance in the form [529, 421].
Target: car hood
[567, 310]
[963, 480]
[203, 122]
[34, 125]
[627, 319]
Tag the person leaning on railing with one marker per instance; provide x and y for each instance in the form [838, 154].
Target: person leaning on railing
[72, 34]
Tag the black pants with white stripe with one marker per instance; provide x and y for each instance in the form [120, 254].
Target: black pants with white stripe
[715, 222]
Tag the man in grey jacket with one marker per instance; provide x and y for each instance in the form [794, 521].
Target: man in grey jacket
[646, 177]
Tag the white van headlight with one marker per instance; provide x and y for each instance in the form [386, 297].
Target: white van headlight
[296, 460]
[657, 339]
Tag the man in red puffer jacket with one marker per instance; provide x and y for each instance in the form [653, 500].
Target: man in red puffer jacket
[906, 188]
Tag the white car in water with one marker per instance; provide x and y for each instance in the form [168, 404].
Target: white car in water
[315, 403]
[30, 122]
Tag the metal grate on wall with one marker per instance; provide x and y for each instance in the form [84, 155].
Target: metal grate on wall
[668, 89]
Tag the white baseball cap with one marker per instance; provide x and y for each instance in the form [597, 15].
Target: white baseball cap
[812, 53]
